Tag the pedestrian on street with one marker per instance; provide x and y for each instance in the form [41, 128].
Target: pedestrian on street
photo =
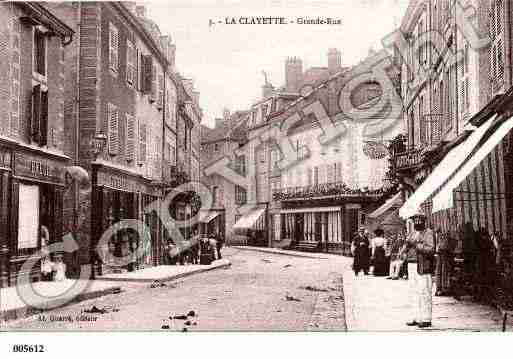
[424, 244]
[360, 251]
[444, 263]
[397, 256]
[219, 245]
[378, 254]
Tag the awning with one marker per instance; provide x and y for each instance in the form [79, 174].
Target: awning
[310, 210]
[450, 163]
[208, 216]
[248, 220]
[393, 202]
[444, 199]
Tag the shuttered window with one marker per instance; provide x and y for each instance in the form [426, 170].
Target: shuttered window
[113, 48]
[131, 63]
[147, 73]
[39, 116]
[130, 138]
[497, 44]
[153, 96]
[142, 142]
[113, 129]
[160, 99]
[330, 173]
[39, 52]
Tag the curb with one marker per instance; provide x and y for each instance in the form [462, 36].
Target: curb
[166, 279]
[270, 251]
[27, 311]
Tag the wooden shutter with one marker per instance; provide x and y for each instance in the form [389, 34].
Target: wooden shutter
[160, 100]
[130, 62]
[113, 47]
[309, 174]
[43, 120]
[130, 138]
[330, 173]
[338, 172]
[153, 95]
[147, 73]
[142, 142]
[113, 127]
[36, 113]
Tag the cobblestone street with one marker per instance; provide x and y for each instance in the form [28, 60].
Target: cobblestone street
[260, 291]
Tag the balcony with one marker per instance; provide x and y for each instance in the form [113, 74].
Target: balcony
[336, 189]
[408, 159]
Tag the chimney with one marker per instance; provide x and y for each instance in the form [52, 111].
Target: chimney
[226, 114]
[169, 49]
[189, 86]
[334, 61]
[219, 122]
[140, 11]
[196, 97]
[293, 74]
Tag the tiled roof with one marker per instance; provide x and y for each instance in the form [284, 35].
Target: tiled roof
[234, 128]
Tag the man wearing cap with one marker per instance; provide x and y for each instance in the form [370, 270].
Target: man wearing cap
[422, 240]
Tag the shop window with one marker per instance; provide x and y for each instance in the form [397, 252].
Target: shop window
[28, 217]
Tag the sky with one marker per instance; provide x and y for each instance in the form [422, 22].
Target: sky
[226, 61]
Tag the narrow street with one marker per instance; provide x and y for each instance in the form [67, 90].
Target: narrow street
[258, 292]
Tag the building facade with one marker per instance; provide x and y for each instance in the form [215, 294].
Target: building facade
[33, 157]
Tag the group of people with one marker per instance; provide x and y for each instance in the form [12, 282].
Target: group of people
[197, 250]
[387, 256]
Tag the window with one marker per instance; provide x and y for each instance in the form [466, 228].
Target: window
[497, 44]
[113, 128]
[316, 175]
[39, 118]
[240, 164]
[240, 195]
[275, 159]
[264, 112]
[147, 74]
[113, 48]
[422, 121]
[131, 63]
[142, 142]
[160, 99]
[39, 52]
[261, 155]
[216, 147]
[215, 194]
[130, 138]
[153, 94]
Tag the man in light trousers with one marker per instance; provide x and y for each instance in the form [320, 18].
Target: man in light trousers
[422, 240]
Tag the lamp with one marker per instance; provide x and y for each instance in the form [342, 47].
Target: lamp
[98, 143]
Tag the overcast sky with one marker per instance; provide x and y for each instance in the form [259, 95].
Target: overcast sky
[226, 61]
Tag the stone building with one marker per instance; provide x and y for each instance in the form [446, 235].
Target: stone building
[122, 114]
[33, 159]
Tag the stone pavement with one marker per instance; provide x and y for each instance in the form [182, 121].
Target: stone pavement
[285, 252]
[50, 295]
[164, 273]
[378, 304]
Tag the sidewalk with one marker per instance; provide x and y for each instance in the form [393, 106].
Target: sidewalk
[164, 273]
[286, 252]
[54, 294]
[378, 304]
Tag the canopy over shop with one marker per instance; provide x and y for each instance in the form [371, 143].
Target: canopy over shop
[252, 226]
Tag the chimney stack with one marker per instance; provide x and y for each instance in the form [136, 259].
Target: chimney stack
[196, 97]
[226, 114]
[293, 74]
[140, 10]
[334, 61]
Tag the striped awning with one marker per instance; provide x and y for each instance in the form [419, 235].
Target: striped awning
[311, 210]
[248, 220]
[391, 203]
[208, 216]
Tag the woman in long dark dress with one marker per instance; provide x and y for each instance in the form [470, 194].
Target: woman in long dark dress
[378, 254]
[360, 250]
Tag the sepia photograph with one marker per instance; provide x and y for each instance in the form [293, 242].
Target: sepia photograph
[306, 166]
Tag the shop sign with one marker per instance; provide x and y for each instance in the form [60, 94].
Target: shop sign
[122, 183]
[38, 168]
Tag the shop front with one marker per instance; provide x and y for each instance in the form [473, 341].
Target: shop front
[31, 207]
[212, 223]
[251, 228]
[118, 196]
[326, 224]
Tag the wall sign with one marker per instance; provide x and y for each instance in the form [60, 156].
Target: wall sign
[38, 167]
[123, 183]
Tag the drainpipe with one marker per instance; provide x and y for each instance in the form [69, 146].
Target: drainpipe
[457, 102]
[161, 231]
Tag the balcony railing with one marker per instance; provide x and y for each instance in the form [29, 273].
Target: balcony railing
[408, 159]
[322, 190]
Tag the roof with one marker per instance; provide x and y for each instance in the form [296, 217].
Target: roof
[234, 128]
[47, 18]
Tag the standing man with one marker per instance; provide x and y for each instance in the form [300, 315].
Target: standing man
[360, 249]
[423, 242]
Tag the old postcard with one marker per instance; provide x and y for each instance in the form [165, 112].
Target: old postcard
[311, 166]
